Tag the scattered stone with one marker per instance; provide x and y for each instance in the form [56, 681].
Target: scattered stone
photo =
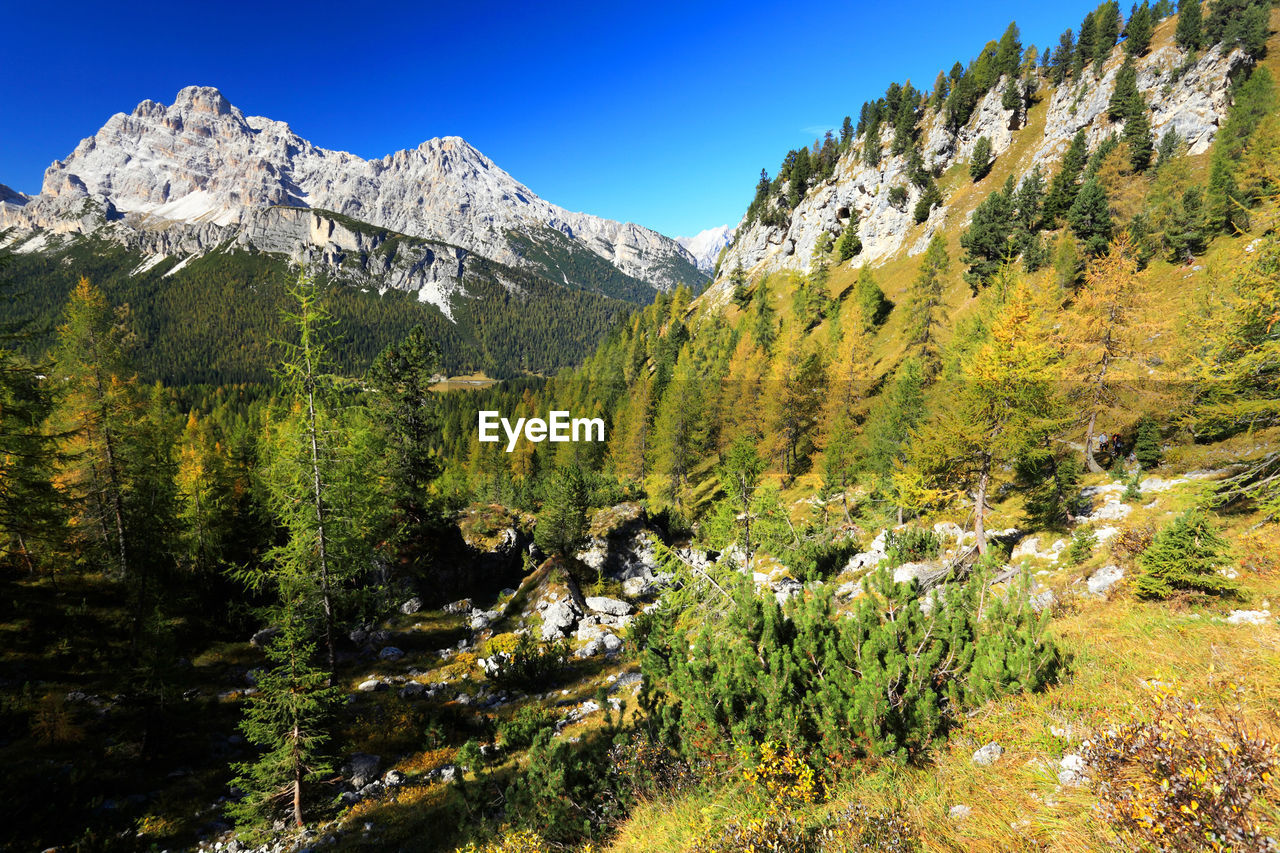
[559, 619]
[1028, 548]
[482, 619]
[786, 588]
[461, 606]
[908, 572]
[611, 606]
[266, 635]
[448, 773]
[1249, 617]
[612, 645]
[371, 685]
[393, 779]
[1042, 601]
[362, 768]
[411, 606]
[987, 755]
[959, 812]
[413, 690]
[1103, 579]
[390, 653]
[1072, 770]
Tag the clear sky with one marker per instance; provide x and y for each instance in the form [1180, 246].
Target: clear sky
[660, 113]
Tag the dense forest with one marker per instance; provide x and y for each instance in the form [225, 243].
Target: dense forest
[262, 579]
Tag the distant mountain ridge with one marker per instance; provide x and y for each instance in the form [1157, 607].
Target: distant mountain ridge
[202, 162]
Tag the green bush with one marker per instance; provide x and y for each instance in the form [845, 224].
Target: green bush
[519, 731]
[1083, 541]
[910, 545]
[531, 665]
[1184, 556]
[885, 679]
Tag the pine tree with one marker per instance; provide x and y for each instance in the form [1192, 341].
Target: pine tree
[407, 412]
[739, 474]
[987, 240]
[1125, 98]
[289, 718]
[1005, 405]
[849, 244]
[1090, 218]
[97, 410]
[1138, 32]
[766, 323]
[926, 296]
[1137, 135]
[562, 523]
[1064, 58]
[1189, 34]
[1146, 447]
[1064, 188]
[679, 435]
[202, 489]
[1185, 555]
[32, 513]
[323, 473]
[1028, 205]
[1107, 24]
[1009, 51]
[869, 299]
[1102, 338]
[980, 163]
[1011, 99]
[1086, 45]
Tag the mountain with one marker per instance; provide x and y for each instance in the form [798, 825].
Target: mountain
[705, 246]
[174, 183]
[1187, 94]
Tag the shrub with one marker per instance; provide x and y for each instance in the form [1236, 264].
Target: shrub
[1083, 541]
[910, 545]
[860, 829]
[897, 196]
[531, 665]
[1185, 555]
[1185, 780]
[1132, 487]
[886, 680]
[520, 730]
[1128, 546]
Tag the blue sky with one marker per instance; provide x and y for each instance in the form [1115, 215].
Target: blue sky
[658, 113]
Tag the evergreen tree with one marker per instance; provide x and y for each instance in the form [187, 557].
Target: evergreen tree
[1064, 58]
[740, 295]
[1009, 52]
[562, 523]
[765, 329]
[1189, 34]
[849, 244]
[1137, 136]
[930, 198]
[32, 513]
[1146, 448]
[980, 163]
[1090, 218]
[1028, 204]
[288, 718]
[846, 134]
[1125, 98]
[1011, 99]
[1138, 32]
[406, 410]
[926, 296]
[1086, 45]
[987, 240]
[869, 299]
[98, 411]
[1185, 555]
[1170, 147]
[1107, 28]
[1064, 188]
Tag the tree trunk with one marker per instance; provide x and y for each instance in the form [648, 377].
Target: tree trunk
[321, 542]
[297, 785]
[1089, 461]
[980, 509]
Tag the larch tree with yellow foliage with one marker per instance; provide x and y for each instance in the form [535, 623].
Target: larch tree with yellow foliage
[1005, 403]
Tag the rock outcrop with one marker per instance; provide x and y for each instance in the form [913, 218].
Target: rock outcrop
[1193, 103]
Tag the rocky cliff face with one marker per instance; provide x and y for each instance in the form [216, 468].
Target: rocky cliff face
[1193, 104]
[203, 165]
